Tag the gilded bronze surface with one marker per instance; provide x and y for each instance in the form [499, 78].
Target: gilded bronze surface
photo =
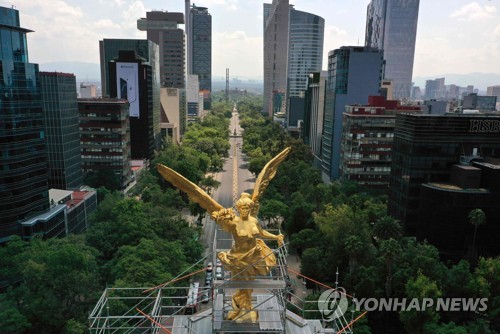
[249, 256]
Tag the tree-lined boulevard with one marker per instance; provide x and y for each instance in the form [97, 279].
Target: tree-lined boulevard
[142, 240]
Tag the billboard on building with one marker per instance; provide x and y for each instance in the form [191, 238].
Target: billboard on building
[127, 81]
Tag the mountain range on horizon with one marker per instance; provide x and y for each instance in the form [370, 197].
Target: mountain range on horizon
[91, 72]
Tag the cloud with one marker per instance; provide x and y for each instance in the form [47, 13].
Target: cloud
[105, 24]
[474, 11]
[237, 51]
[497, 31]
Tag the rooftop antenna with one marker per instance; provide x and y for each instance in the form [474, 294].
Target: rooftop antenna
[227, 84]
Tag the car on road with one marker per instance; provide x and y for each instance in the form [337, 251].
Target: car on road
[208, 278]
[210, 267]
[218, 263]
[218, 273]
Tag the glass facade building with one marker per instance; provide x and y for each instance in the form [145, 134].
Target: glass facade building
[305, 53]
[276, 27]
[60, 111]
[391, 26]
[425, 149]
[149, 54]
[201, 47]
[23, 162]
[314, 110]
[354, 74]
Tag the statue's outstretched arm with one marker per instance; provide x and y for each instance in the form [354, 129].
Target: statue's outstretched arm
[195, 193]
[265, 176]
[269, 235]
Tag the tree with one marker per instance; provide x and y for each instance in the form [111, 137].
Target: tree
[59, 282]
[148, 263]
[304, 239]
[415, 320]
[390, 250]
[208, 183]
[387, 228]
[449, 328]
[354, 247]
[273, 210]
[11, 319]
[477, 217]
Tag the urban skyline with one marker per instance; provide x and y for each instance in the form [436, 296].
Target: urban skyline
[466, 32]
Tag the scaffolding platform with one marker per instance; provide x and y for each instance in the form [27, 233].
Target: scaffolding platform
[163, 309]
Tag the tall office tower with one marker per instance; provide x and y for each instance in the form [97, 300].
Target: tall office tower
[276, 24]
[305, 50]
[453, 91]
[131, 78]
[391, 25]
[435, 89]
[60, 111]
[148, 51]
[105, 137]
[187, 27]
[493, 91]
[163, 29]
[305, 55]
[108, 51]
[444, 166]
[199, 41]
[354, 73]
[314, 111]
[23, 176]
[416, 93]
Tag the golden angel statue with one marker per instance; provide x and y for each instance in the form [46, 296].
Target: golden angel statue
[249, 256]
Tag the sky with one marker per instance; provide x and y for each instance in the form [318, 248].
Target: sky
[453, 36]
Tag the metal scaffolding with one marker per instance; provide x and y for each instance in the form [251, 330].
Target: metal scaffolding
[162, 309]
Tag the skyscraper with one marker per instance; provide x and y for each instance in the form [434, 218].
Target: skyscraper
[23, 176]
[305, 50]
[391, 25]
[424, 194]
[132, 78]
[199, 41]
[353, 74]
[108, 51]
[276, 25]
[305, 56]
[60, 110]
[314, 111]
[163, 29]
[149, 54]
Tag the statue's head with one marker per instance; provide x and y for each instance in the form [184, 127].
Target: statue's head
[244, 204]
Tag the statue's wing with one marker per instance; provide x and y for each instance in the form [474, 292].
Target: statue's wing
[265, 176]
[195, 193]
